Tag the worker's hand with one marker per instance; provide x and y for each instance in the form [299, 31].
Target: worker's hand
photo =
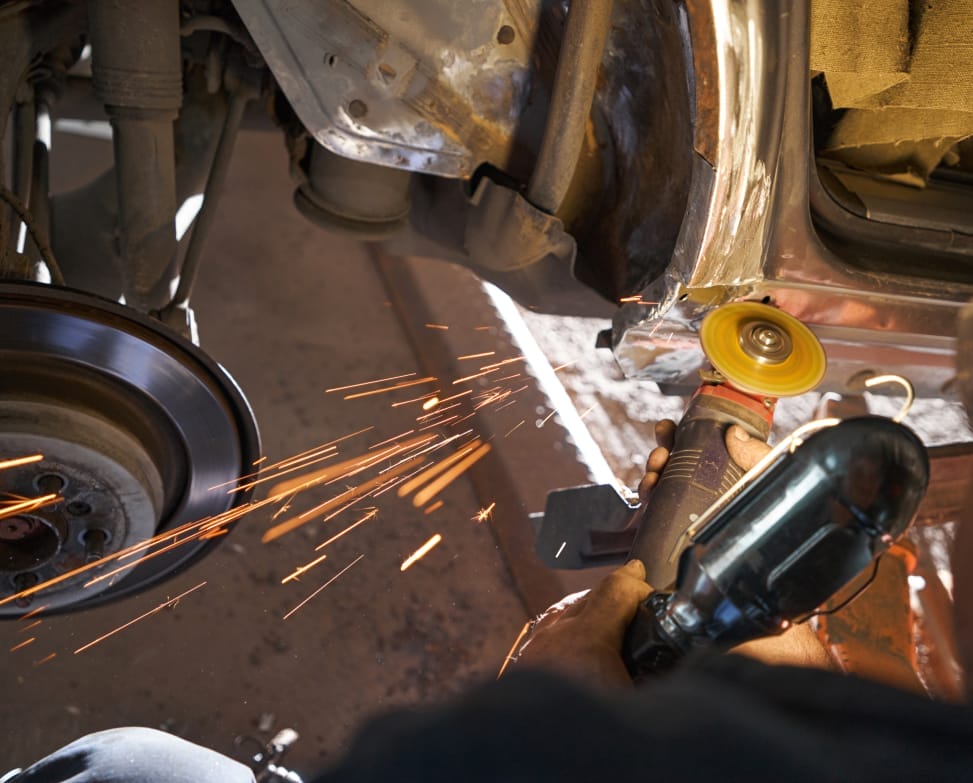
[744, 450]
[581, 636]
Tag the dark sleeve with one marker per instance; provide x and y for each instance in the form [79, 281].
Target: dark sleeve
[725, 719]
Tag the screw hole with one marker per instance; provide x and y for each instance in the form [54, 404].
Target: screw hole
[78, 508]
[357, 109]
[50, 483]
[506, 35]
[330, 60]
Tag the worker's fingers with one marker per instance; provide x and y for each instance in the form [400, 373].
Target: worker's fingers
[745, 451]
[611, 605]
[665, 433]
[654, 466]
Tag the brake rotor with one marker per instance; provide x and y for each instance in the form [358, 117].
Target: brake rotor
[759, 349]
[134, 426]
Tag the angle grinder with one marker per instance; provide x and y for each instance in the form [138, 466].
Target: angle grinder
[735, 557]
[758, 353]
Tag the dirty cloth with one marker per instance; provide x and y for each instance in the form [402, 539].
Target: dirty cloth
[904, 72]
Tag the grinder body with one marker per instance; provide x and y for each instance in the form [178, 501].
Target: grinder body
[699, 471]
[792, 538]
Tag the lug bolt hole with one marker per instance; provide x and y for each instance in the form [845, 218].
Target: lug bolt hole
[506, 35]
[50, 483]
[78, 508]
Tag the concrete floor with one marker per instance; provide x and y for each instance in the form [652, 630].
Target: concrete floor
[289, 311]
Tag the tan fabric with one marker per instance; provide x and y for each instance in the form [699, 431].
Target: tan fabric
[906, 112]
[861, 45]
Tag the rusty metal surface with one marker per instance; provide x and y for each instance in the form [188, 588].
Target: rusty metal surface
[873, 635]
[949, 479]
[434, 86]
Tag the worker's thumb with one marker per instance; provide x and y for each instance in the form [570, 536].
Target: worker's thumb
[745, 450]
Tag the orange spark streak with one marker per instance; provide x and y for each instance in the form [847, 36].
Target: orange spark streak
[259, 461]
[332, 579]
[476, 375]
[307, 457]
[455, 396]
[32, 613]
[390, 440]
[547, 418]
[504, 362]
[481, 328]
[467, 416]
[566, 364]
[386, 389]
[109, 574]
[432, 402]
[436, 326]
[476, 355]
[437, 485]
[396, 481]
[343, 468]
[513, 649]
[514, 429]
[28, 505]
[434, 507]
[159, 608]
[225, 517]
[32, 625]
[402, 450]
[23, 644]
[434, 446]
[507, 405]
[215, 533]
[625, 299]
[45, 659]
[315, 450]
[588, 411]
[421, 552]
[370, 515]
[509, 377]
[491, 399]
[433, 471]
[427, 395]
[201, 528]
[484, 513]
[17, 462]
[355, 492]
[438, 411]
[442, 423]
[301, 569]
[369, 383]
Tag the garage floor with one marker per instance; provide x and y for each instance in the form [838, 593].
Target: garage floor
[289, 311]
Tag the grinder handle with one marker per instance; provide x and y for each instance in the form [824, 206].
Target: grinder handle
[699, 470]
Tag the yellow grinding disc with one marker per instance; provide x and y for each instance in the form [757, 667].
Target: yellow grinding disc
[762, 350]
